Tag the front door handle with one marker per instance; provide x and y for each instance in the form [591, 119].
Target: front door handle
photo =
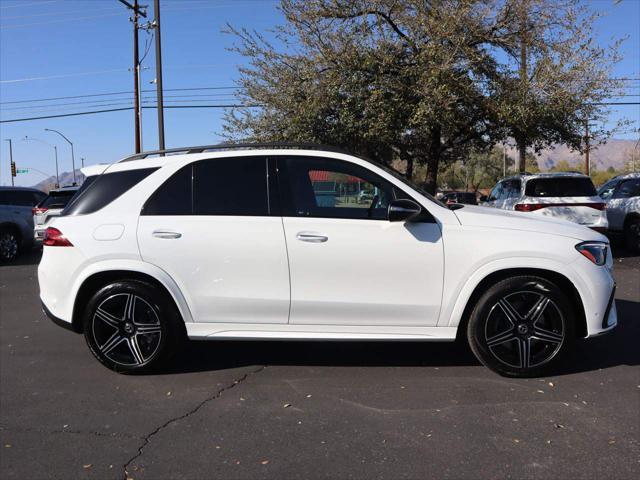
[311, 237]
[166, 234]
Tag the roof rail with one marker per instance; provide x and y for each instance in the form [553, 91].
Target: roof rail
[233, 146]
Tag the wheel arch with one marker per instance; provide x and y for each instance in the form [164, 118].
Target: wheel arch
[630, 217]
[96, 280]
[558, 278]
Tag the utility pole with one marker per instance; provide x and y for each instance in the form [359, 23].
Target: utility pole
[82, 161]
[159, 97]
[587, 162]
[504, 159]
[11, 164]
[137, 12]
[522, 145]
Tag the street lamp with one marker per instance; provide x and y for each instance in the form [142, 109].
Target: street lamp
[73, 160]
[55, 149]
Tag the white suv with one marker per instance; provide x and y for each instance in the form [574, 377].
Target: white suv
[567, 195]
[277, 242]
[622, 195]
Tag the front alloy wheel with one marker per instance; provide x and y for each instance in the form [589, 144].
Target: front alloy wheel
[521, 326]
[130, 326]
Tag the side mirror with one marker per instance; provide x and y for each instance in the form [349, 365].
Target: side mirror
[403, 210]
[484, 198]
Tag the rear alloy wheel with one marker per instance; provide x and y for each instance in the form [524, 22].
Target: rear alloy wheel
[130, 327]
[9, 245]
[632, 235]
[521, 327]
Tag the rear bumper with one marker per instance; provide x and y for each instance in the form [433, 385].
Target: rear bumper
[58, 321]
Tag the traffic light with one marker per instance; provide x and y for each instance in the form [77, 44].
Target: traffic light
[13, 169]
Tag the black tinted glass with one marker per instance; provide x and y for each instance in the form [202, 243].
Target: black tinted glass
[104, 189]
[56, 199]
[24, 198]
[560, 187]
[231, 186]
[174, 197]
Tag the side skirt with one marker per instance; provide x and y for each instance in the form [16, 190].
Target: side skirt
[246, 331]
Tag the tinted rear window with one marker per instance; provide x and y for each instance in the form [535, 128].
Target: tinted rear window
[560, 187]
[100, 190]
[57, 199]
[222, 186]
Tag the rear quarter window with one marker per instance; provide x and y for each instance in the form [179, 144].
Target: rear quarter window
[560, 187]
[97, 192]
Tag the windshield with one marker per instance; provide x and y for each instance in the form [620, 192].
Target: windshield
[57, 199]
[560, 187]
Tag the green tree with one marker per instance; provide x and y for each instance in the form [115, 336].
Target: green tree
[423, 82]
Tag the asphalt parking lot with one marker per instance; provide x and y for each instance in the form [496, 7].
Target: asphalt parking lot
[312, 410]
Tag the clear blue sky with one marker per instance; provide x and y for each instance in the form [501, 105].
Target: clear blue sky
[56, 48]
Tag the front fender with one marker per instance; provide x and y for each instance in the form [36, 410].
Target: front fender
[451, 315]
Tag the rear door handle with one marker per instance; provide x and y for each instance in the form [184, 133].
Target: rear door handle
[311, 237]
[166, 234]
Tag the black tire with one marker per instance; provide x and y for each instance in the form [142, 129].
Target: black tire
[632, 235]
[9, 244]
[132, 327]
[522, 327]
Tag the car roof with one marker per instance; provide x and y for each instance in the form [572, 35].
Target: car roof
[529, 176]
[160, 158]
[20, 189]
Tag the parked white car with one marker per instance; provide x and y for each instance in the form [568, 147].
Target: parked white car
[622, 195]
[51, 206]
[233, 243]
[565, 195]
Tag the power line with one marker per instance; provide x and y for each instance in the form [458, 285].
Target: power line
[129, 92]
[27, 4]
[13, 120]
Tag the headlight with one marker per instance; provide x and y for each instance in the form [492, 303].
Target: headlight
[596, 252]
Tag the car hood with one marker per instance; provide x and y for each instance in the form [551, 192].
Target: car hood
[504, 219]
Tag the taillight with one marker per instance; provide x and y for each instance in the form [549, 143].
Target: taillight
[38, 210]
[529, 207]
[54, 238]
[532, 207]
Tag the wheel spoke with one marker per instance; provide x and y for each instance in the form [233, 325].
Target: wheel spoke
[512, 315]
[146, 329]
[112, 343]
[129, 307]
[135, 350]
[503, 337]
[547, 335]
[538, 309]
[107, 318]
[524, 347]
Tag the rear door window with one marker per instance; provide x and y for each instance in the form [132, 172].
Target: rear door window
[560, 187]
[222, 186]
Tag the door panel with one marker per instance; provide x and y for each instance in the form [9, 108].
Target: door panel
[348, 264]
[365, 273]
[210, 227]
[232, 269]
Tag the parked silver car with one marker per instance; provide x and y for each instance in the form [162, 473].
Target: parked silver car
[16, 219]
[622, 195]
[49, 208]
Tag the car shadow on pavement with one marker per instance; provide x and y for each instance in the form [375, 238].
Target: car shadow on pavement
[619, 347]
